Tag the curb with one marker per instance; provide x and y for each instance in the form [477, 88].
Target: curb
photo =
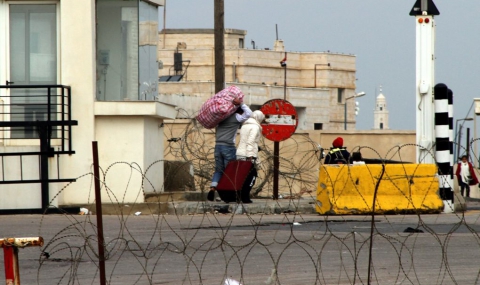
[259, 206]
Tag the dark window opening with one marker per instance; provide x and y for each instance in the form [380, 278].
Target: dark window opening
[318, 126]
[340, 95]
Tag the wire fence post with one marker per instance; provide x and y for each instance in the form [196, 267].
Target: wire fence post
[98, 205]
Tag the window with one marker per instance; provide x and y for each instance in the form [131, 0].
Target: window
[318, 126]
[240, 43]
[127, 66]
[340, 95]
[381, 108]
[381, 126]
[33, 61]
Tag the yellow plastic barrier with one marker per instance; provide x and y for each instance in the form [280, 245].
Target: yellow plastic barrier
[403, 188]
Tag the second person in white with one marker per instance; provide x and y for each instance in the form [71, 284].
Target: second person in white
[247, 149]
[250, 135]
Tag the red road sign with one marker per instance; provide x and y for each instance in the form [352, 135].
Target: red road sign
[280, 120]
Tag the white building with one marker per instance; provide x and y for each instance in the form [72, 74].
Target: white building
[380, 113]
[100, 58]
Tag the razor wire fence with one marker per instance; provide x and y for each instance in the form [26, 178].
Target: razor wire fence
[214, 244]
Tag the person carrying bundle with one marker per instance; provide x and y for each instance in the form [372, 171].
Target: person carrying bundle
[225, 149]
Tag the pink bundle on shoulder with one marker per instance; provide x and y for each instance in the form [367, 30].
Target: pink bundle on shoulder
[219, 107]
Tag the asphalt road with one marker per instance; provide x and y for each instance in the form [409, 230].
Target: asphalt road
[210, 248]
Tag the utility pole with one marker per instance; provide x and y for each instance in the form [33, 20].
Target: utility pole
[219, 23]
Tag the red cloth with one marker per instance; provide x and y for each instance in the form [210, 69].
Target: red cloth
[472, 173]
[338, 142]
[219, 107]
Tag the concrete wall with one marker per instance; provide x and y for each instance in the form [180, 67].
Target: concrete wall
[373, 144]
[408, 188]
[377, 144]
[140, 149]
[132, 133]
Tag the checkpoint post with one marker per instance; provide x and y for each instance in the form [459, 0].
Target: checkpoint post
[10, 256]
[281, 121]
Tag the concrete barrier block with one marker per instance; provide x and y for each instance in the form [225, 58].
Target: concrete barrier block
[403, 188]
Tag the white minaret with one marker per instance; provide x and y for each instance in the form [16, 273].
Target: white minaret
[380, 120]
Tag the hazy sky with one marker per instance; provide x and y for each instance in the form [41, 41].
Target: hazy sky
[379, 32]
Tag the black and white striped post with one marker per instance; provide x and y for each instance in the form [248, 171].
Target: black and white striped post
[443, 145]
[451, 136]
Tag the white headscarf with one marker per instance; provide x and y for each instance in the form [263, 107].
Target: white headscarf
[258, 116]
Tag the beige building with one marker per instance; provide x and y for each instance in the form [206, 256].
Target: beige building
[317, 82]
